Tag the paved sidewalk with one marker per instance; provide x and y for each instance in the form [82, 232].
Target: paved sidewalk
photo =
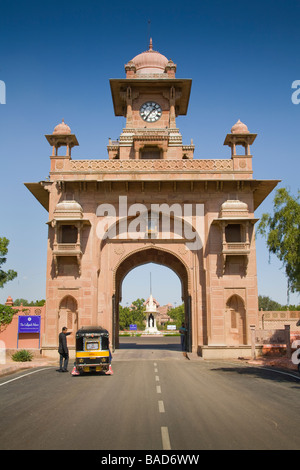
[11, 366]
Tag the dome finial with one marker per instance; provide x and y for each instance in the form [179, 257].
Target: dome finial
[239, 128]
[146, 63]
[62, 128]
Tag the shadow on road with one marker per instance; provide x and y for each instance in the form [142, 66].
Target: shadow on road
[165, 343]
[276, 375]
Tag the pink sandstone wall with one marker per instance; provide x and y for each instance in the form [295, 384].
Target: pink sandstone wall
[9, 333]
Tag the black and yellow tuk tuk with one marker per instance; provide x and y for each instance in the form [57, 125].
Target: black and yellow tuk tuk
[92, 350]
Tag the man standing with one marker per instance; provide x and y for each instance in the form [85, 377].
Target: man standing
[63, 350]
[183, 339]
[183, 331]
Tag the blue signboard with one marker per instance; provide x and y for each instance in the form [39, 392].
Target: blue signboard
[133, 327]
[29, 324]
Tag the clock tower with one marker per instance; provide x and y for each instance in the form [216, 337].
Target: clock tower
[150, 201]
[150, 98]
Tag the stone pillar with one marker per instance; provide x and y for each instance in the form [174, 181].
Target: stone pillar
[287, 329]
[129, 107]
[172, 123]
[252, 329]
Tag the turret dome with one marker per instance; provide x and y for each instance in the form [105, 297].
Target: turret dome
[150, 61]
[239, 128]
[233, 208]
[62, 129]
[68, 210]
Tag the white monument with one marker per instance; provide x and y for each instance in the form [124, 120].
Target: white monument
[151, 312]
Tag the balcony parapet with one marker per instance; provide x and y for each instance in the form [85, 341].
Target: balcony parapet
[67, 249]
[157, 167]
[236, 248]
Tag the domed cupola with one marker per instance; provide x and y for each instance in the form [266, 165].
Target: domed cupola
[234, 209]
[62, 137]
[239, 128]
[150, 62]
[239, 136]
[62, 129]
[68, 210]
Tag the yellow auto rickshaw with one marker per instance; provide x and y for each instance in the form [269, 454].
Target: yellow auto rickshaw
[92, 350]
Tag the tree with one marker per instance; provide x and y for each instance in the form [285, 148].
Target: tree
[6, 314]
[135, 315]
[138, 311]
[266, 303]
[282, 231]
[124, 317]
[177, 314]
[10, 274]
[25, 303]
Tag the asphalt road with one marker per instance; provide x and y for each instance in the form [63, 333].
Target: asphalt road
[156, 400]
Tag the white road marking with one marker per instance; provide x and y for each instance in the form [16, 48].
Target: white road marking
[281, 372]
[161, 406]
[157, 378]
[165, 438]
[158, 389]
[21, 376]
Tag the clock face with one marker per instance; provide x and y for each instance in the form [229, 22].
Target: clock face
[150, 111]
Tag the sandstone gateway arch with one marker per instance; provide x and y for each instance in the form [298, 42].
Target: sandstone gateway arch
[152, 201]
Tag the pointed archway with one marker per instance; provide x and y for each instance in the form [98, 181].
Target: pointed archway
[235, 321]
[68, 316]
[144, 256]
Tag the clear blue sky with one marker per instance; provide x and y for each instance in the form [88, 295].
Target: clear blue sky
[56, 59]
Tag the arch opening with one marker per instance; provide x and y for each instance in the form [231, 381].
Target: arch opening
[158, 257]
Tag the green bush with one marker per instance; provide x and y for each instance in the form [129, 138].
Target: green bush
[22, 356]
[6, 314]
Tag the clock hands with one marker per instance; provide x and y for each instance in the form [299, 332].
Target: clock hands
[152, 109]
[150, 112]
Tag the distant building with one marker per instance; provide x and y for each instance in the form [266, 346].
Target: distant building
[162, 314]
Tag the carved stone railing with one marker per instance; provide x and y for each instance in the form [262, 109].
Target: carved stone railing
[149, 165]
[67, 248]
[236, 247]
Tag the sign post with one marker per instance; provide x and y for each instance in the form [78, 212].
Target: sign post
[29, 324]
[133, 327]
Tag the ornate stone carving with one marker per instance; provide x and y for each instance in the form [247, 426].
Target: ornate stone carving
[153, 165]
[119, 250]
